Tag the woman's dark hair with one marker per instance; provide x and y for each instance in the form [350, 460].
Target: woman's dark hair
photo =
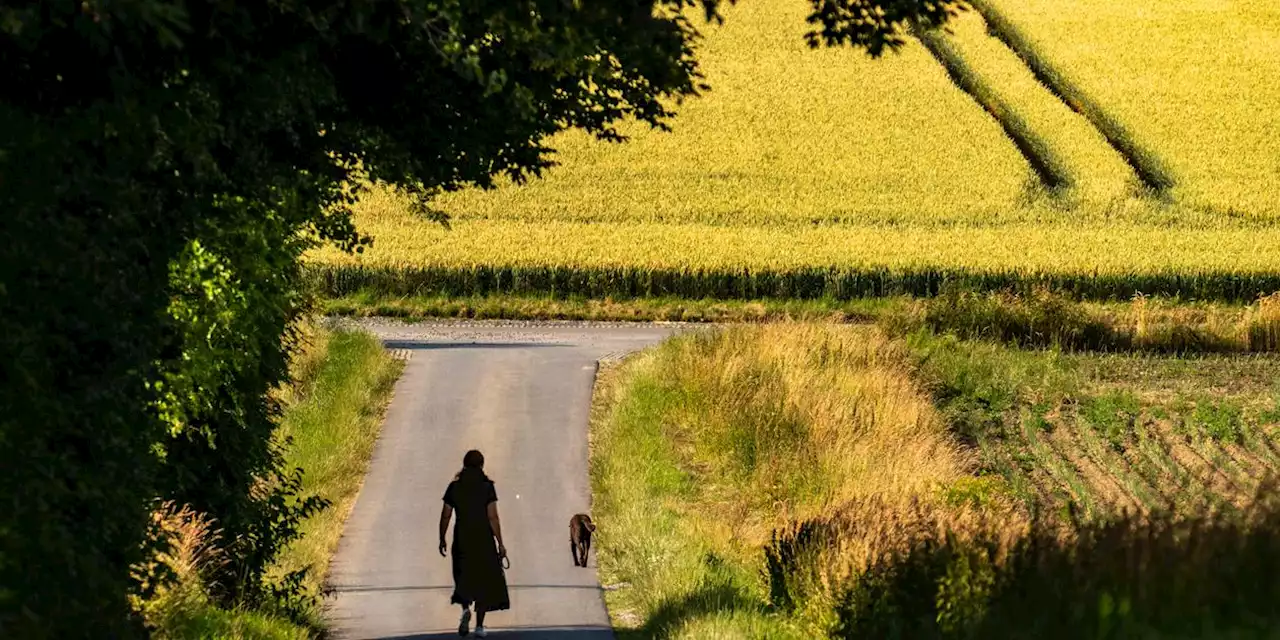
[472, 466]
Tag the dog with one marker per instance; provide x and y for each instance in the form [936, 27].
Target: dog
[580, 530]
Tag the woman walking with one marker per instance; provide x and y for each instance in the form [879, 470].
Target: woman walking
[477, 564]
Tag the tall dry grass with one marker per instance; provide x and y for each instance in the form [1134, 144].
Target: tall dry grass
[1157, 324]
[796, 419]
[182, 607]
[811, 563]
[1264, 325]
[191, 550]
[708, 444]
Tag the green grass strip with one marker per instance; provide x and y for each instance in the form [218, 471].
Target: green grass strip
[332, 413]
[1151, 170]
[665, 577]
[333, 427]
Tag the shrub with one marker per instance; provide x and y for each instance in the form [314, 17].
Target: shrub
[1137, 576]
[816, 567]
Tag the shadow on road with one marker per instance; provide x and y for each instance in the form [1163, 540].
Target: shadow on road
[425, 344]
[582, 587]
[524, 633]
[668, 616]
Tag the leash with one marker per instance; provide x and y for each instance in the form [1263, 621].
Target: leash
[506, 562]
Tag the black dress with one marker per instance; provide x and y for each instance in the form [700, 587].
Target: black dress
[477, 567]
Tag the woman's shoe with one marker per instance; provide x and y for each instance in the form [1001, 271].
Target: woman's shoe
[464, 624]
[480, 632]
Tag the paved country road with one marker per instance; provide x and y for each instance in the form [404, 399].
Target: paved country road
[521, 393]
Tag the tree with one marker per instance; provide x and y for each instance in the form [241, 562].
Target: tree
[163, 164]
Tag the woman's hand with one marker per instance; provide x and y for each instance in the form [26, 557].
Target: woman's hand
[502, 550]
[446, 512]
[443, 548]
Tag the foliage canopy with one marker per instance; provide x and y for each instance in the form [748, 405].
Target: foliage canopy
[163, 165]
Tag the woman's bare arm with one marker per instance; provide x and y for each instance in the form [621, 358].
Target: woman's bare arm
[445, 514]
[496, 525]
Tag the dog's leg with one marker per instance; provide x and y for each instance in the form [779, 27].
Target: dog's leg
[573, 551]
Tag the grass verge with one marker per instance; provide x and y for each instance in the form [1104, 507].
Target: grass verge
[333, 428]
[332, 417]
[704, 446]
[821, 481]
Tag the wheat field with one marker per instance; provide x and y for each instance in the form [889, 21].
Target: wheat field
[400, 240]
[1197, 80]
[785, 134]
[818, 169]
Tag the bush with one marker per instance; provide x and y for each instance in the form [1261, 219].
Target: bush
[1207, 576]
[236, 300]
[815, 567]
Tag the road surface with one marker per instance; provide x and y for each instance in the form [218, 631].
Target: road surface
[520, 393]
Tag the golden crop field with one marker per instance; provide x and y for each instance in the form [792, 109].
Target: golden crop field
[785, 134]
[1198, 80]
[1101, 174]
[1112, 260]
[813, 173]
[1117, 248]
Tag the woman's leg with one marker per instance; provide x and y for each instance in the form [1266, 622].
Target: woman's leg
[464, 622]
[480, 617]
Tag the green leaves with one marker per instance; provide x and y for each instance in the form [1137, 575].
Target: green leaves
[166, 165]
[875, 25]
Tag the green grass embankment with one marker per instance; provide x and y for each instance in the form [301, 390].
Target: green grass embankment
[792, 480]
[706, 445]
[332, 415]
